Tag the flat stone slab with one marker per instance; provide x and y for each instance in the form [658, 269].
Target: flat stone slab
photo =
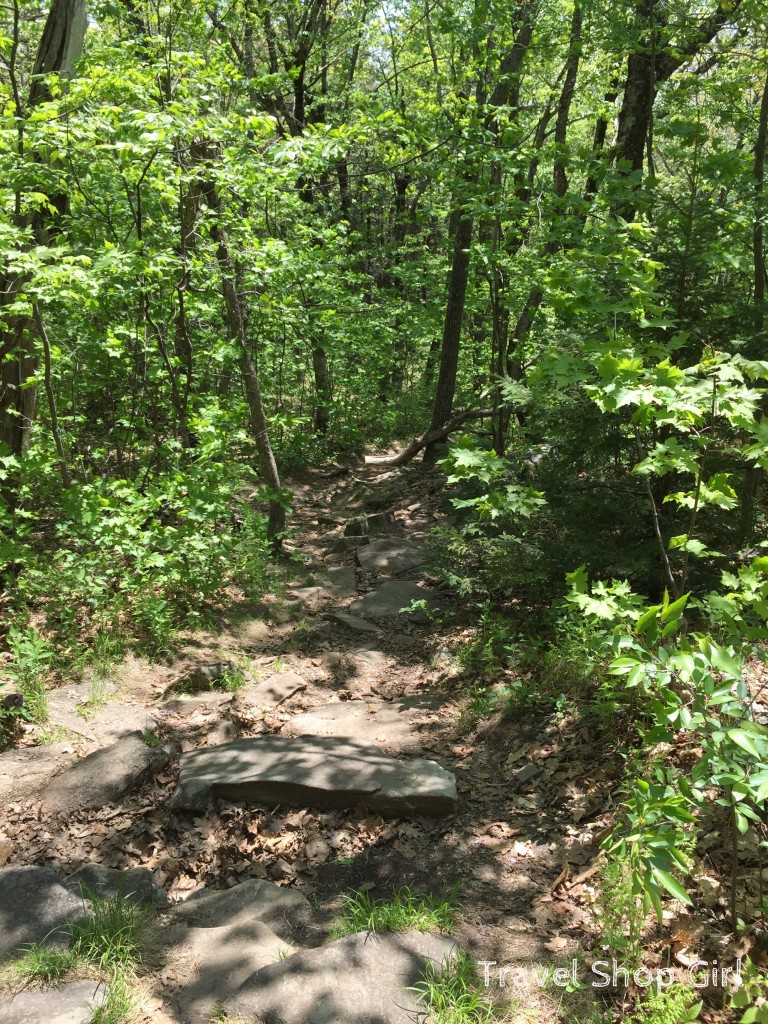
[275, 690]
[390, 556]
[71, 707]
[314, 772]
[34, 906]
[360, 979]
[65, 1004]
[133, 883]
[394, 726]
[341, 581]
[103, 776]
[391, 597]
[352, 622]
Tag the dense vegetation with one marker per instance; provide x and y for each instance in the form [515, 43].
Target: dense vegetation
[242, 238]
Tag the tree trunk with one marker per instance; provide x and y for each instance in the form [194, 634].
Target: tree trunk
[235, 322]
[60, 47]
[449, 351]
[323, 393]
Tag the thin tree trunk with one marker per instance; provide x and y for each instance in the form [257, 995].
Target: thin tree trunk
[753, 477]
[449, 350]
[235, 321]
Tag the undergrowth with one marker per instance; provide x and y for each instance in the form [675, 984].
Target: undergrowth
[404, 911]
[452, 993]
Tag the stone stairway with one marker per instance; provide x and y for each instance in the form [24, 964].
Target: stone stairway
[256, 948]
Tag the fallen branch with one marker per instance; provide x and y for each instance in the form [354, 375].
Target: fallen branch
[436, 434]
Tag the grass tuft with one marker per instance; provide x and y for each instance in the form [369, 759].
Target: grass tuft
[43, 964]
[405, 911]
[118, 1006]
[113, 934]
[452, 994]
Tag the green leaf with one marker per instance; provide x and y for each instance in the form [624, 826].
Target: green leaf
[671, 885]
[744, 740]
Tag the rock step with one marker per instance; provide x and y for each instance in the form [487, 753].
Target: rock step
[390, 556]
[314, 772]
[361, 979]
[65, 1004]
[393, 596]
[103, 776]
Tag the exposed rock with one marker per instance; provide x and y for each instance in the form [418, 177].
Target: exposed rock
[352, 622]
[276, 690]
[393, 726]
[66, 1004]
[286, 911]
[118, 720]
[390, 556]
[391, 597]
[341, 580]
[382, 496]
[198, 702]
[133, 883]
[310, 597]
[347, 544]
[382, 523]
[525, 774]
[361, 979]
[214, 963]
[34, 906]
[104, 776]
[314, 772]
[23, 773]
[356, 528]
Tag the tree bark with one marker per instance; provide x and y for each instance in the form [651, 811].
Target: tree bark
[60, 47]
[505, 93]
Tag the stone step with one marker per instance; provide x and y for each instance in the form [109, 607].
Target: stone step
[361, 979]
[391, 597]
[314, 772]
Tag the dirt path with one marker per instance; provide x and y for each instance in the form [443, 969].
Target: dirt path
[532, 794]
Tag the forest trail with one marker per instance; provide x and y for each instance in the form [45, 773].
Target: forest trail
[325, 658]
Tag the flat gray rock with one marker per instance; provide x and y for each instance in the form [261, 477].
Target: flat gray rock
[103, 776]
[25, 772]
[341, 581]
[394, 726]
[274, 690]
[75, 707]
[390, 556]
[352, 622]
[66, 1004]
[285, 911]
[391, 597]
[314, 772]
[34, 906]
[360, 979]
[133, 883]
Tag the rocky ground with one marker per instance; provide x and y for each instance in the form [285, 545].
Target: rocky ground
[342, 764]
